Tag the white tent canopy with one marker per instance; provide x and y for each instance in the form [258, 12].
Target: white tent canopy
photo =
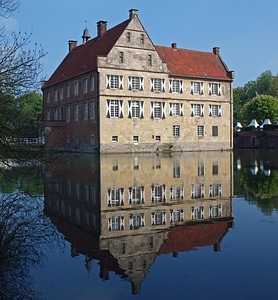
[253, 123]
[266, 122]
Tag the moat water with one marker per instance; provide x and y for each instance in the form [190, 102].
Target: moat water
[182, 226]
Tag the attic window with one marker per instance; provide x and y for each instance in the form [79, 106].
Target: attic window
[121, 56]
[150, 60]
[142, 39]
[128, 37]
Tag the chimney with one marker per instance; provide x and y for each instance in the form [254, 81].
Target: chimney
[216, 51]
[132, 13]
[174, 45]
[101, 28]
[72, 45]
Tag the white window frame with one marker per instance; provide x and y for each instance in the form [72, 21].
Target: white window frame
[200, 130]
[215, 89]
[176, 193]
[215, 110]
[136, 195]
[115, 197]
[196, 110]
[114, 108]
[176, 109]
[196, 87]
[157, 110]
[176, 130]
[157, 85]
[176, 86]
[114, 82]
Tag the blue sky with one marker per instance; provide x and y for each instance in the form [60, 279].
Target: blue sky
[245, 31]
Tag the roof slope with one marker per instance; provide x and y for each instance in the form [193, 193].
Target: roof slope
[83, 58]
[192, 63]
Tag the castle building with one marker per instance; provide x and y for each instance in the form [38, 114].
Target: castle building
[118, 92]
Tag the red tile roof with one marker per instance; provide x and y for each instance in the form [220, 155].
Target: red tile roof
[82, 59]
[182, 62]
[193, 63]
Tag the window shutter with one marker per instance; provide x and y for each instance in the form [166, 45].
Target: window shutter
[109, 197]
[130, 221]
[202, 110]
[202, 191]
[129, 82]
[171, 193]
[121, 196]
[202, 212]
[109, 224]
[219, 110]
[152, 84]
[163, 192]
[181, 109]
[153, 218]
[170, 109]
[192, 213]
[170, 86]
[163, 85]
[141, 83]
[129, 109]
[182, 193]
[142, 220]
[210, 211]
[210, 110]
[152, 112]
[219, 210]
[108, 81]
[202, 88]
[121, 82]
[130, 195]
[210, 88]
[191, 110]
[191, 87]
[171, 216]
[122, 224]
[163, 110]
[152, 193]
[219, 89]
[107, 108]
[219, 189]
[192, 191]
[142, 194]
[121, 111]
[164, 218]
[181, 86]
[182, 215]
[142, 109]
[210, 190]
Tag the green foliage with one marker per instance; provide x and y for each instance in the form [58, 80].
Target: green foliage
[260, 108]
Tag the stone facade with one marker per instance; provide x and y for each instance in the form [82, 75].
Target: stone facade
[135, 99]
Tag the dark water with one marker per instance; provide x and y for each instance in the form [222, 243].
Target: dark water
[185, 226]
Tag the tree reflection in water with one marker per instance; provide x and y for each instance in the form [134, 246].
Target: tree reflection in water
[25, 234]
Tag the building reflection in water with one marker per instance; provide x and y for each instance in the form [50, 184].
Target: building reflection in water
[124, 210]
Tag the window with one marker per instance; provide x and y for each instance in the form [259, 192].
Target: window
[135, 83]
[201, 170]
[135, 139]
[176, 130]
[55, 95]
[157, 138]
[215, 190]
[128, 37]
[92, 83]
[68, 139]
[61, 93]
[92, 109]
[176, 109]
[115, 197]
[136, 195]
[68, 113]
[76, 88]
[76, 112]
[215, 169]
[197, 213]
[136, 221]
[176, 86]
[214, 130]
[114, 108]
[85, 111]
[215, 110]
[136, 109]
[176, 215]
[55, 113]
[197, 191]
[176, 170]
[116, 223]
[215, 211]
[150, 60]
[142, 39]
[48, 96]
[158, 218]
[197, 110]
[48, 115]
[93, 139]
[158, 193]
[196, 87]
[85, 85]
[176, 193]
[114, 82]
[68, 90]
[121, 57]
[215, 89]
[200, 130]
[157, 110]
[157, 85]
[115, 138]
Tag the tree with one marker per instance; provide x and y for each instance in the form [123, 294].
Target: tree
[260, 108]
[30, 108]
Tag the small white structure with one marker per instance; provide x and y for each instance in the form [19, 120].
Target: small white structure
[238, 126]
[266, 122]
[253, 123]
